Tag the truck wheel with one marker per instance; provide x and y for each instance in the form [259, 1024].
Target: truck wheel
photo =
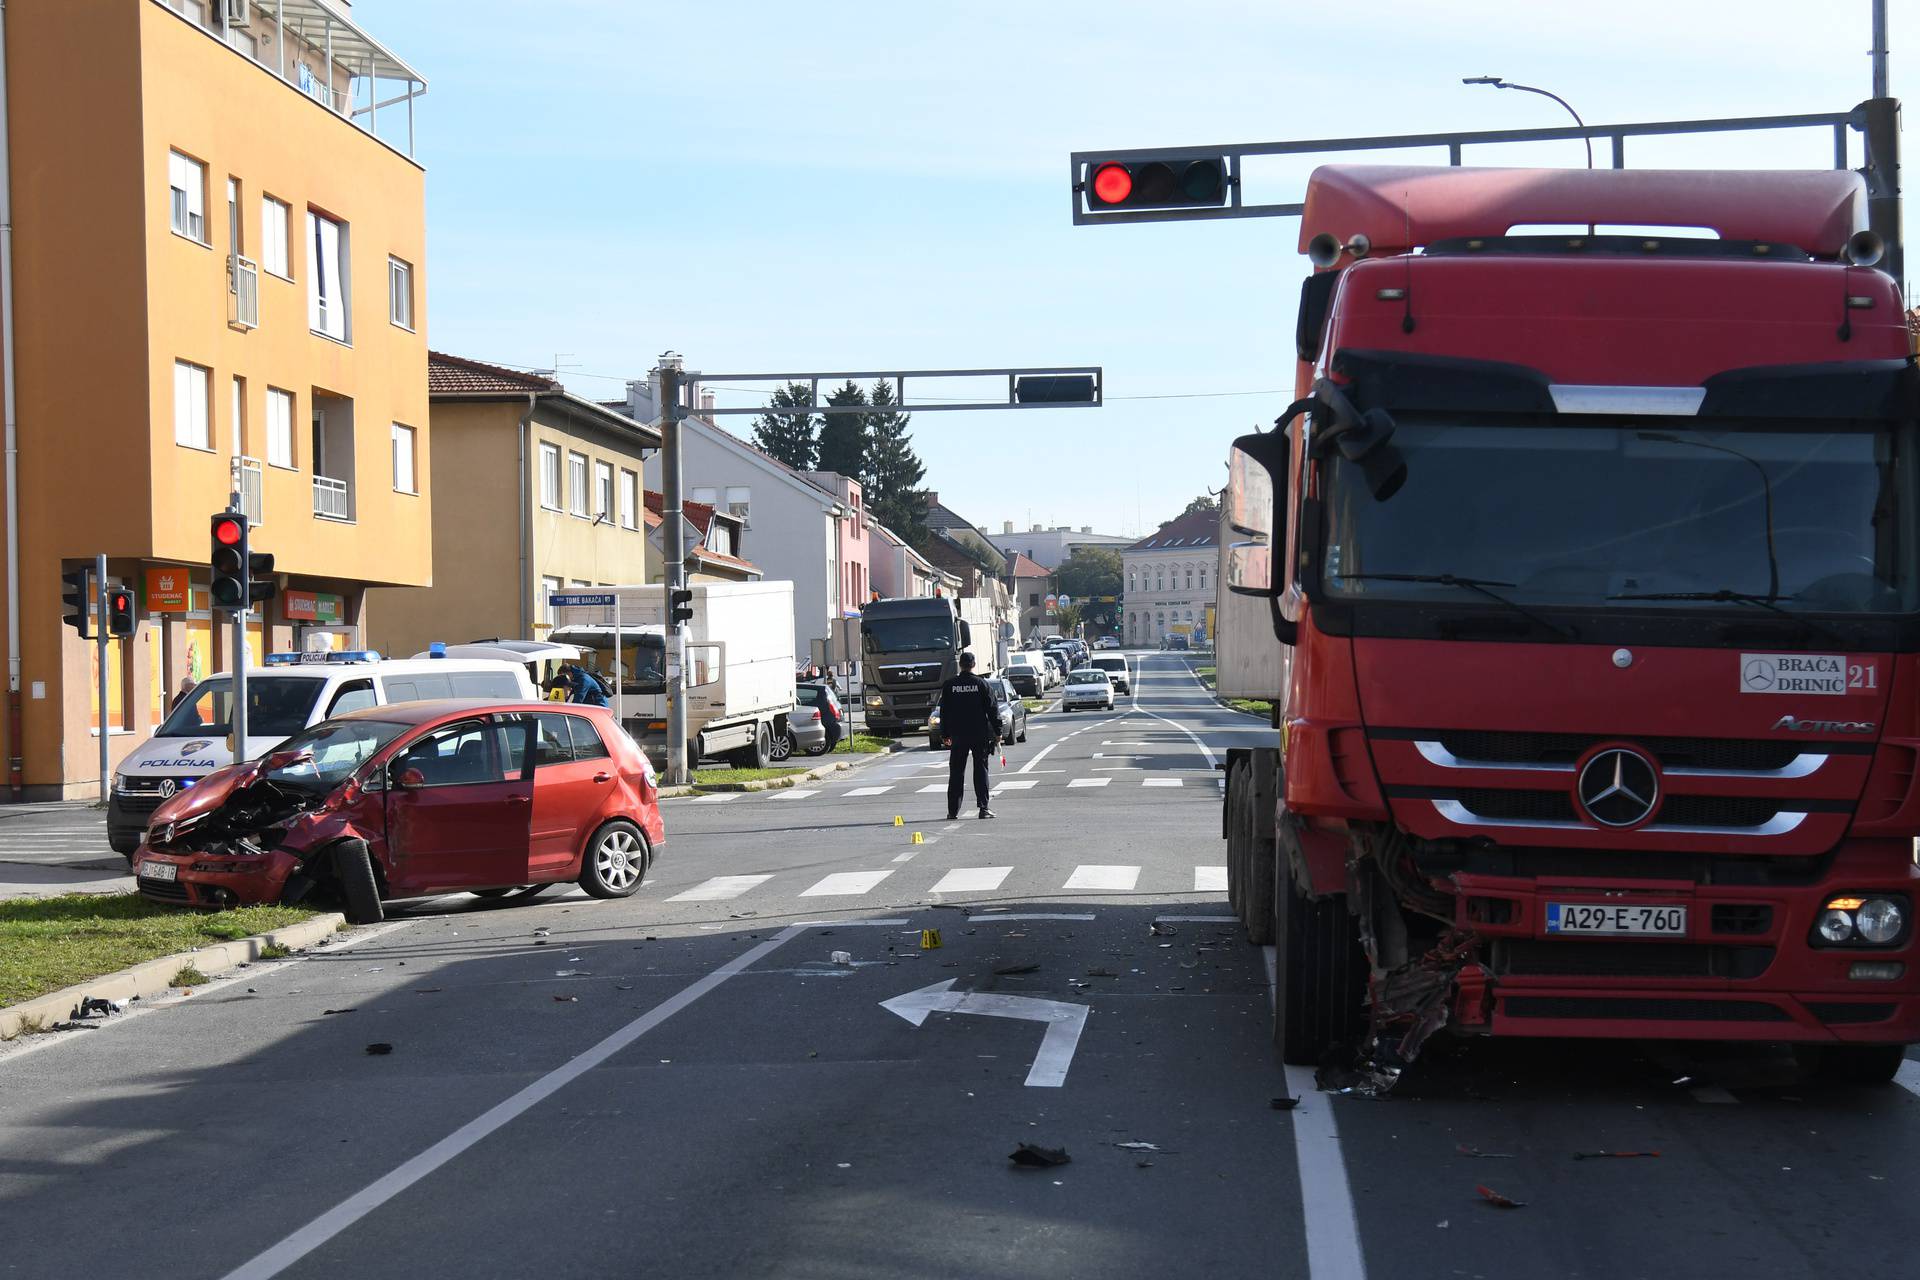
[1262, 854]
[1238, 831]
[1851, 1063]
[1321, 973]
[782, 747]
[353, 867]
[757, 754]
[615, 861]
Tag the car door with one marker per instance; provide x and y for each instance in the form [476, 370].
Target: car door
[459, 815]
[572, 779]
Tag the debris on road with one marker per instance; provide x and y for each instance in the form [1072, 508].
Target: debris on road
[1614, 1155]
[91, 1005]
[1136, 1146]
[573, 973]
[1101, 973]
[379, 1050]
[1284, 1104]
[325, 1012]
[1499, 1201]
[568, 999]
[1008, 970]
[1158, 930]
[1475, 1152]
[1029, 1156]
[842, 958]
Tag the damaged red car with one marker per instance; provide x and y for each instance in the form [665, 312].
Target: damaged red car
[414, 798]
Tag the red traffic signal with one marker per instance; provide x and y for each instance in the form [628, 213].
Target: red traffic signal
[1157, 184]
[120, 619]
[228, 560]
[229, 531]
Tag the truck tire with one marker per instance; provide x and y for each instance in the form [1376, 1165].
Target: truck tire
[1239, 828]
[782, 745]
[359, 892]
[1262, 855]
[758, 753]
[1320, 972]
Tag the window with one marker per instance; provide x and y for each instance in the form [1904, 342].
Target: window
[603, 491]
[400, 293]
[273, 237]
[190, 390]
[236, 242]
[740, 502]
[702, 493]
[548, 586]
[279, 428]
[187, 184]
[1033, 597]
[403, 477]
[586, 739]
[1203, 577]
[458, 756]
[355, 695]
[1129, 580]
[240, 417]
[1160, 580]
[629, 499]
[550, 478]
[1189, 577]
[329, 285]
[577, 483]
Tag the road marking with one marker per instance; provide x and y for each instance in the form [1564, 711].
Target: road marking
[869, 791]
[794, 793]
[1908, 1077]
[992, 917]
[719, 889]
[1044, 751]
[1199, 919]
[1089, 782]
[272, 1261]
[972, 880]
[931, 788]
[718, 797]
[1159, 782]
[904, 857]
[1064, 1022]
[846, 884]
[1025, 785]
[1099, 877]
[1210, 880]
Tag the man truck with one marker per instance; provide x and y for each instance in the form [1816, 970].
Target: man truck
[1584, 577]
[739, 677]
[908, 649]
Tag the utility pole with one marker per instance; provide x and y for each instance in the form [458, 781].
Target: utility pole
[673, 525]
[100, 650]
[1879, 50]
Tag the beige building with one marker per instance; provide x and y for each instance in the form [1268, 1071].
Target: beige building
[1169, 580]
[542, 494]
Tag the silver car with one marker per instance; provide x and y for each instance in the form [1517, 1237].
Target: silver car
[806, 734]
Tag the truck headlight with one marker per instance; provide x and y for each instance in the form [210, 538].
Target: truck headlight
[1836, 926]
[875, 700]
[1880, 920]
[1873, 920]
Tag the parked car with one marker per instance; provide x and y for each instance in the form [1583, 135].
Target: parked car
[806, 731]
[1175, 642]
[1108, 642]
[1116, 668]
[822, 699]
[1013, 716]
[1037, 662]
[1057, 659]
[411, 799]
[1087, 687]
[1028, 680]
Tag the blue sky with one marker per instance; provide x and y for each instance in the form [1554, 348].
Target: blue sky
[854, 185]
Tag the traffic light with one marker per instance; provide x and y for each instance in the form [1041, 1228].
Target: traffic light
[75, 596]
[1072, 388]
[261, 585]
[120, 619]
[229, 562]
[679, 606]
[1180, 183]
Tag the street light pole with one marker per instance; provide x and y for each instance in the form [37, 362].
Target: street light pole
[673, 529]
[1499, 83]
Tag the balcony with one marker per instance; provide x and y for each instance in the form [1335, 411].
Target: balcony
[332, 499]
[333, 453]
[313, 46]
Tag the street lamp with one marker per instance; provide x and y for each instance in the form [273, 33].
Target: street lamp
[1499, 83]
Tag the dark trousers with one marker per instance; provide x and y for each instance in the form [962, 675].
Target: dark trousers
[956, 774]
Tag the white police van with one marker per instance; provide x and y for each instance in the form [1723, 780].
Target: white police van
[292, 691]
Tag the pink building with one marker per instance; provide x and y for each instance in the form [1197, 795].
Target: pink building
[851, 566]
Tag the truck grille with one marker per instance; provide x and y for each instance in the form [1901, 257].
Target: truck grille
[1726, 754]
[1527, 957]
[1650, 1008]
[1732, 812]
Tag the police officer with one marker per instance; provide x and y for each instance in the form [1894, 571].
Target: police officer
[970, 723]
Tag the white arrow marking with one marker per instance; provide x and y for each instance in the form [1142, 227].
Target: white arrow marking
[1064, 1022]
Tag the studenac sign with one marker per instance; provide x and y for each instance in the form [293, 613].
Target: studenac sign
[314, 606]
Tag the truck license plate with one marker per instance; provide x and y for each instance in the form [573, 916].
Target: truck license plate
[1586, 917]
[159, 871]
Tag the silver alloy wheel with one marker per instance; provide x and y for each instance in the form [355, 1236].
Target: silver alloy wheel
[619, 858]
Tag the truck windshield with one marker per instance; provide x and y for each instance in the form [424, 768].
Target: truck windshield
[277, 707]
[1580, 516]
[905, 635]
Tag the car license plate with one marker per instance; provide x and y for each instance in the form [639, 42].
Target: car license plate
[1587, 917]
[159, 871]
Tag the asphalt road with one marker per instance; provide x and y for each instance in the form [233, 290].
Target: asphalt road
[687, 1083]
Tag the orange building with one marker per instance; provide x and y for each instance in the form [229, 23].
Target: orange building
[217, 285]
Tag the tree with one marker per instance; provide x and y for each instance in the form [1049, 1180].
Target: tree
[1067, 618]
[789, 437]
[893, 472]
[1089, 573]
[1205, 502]
[844, 437]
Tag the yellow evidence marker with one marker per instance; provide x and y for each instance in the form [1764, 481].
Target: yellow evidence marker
[916, 838]
[929, 939]
[899, 821]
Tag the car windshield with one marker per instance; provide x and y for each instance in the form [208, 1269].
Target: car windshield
[1089, 675]
[1599, 515]
[336, 748]
[906, 635]
[277, 707]
[1111, 664]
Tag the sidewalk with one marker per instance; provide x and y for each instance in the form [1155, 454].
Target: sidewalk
[55, 848]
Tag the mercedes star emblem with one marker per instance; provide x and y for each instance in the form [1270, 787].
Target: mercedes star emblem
[1619, 788]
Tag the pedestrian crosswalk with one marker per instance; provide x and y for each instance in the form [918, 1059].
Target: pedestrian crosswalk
[904, 886]
[939, 788]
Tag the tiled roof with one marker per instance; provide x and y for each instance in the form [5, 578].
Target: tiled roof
[1022, 567]
[699, 514]
[1195, 529]
[456, 375]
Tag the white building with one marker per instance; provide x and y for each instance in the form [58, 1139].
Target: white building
[1048, 547]
[1169, 579]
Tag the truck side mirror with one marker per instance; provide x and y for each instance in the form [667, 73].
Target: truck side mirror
[966, 635]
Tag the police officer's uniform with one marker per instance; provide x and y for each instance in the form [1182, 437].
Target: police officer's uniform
[970, 722]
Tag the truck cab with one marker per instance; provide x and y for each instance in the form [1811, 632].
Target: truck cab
[909, 647]
[1589, 569]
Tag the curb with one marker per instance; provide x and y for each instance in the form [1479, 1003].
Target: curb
[151, 977]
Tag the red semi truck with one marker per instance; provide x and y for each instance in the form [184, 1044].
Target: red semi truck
[1584, 576]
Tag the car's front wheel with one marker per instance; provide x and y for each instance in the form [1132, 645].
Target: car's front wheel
[615, 861]
[359, 892]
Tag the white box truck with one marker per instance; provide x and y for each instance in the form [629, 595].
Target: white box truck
[739, 678]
